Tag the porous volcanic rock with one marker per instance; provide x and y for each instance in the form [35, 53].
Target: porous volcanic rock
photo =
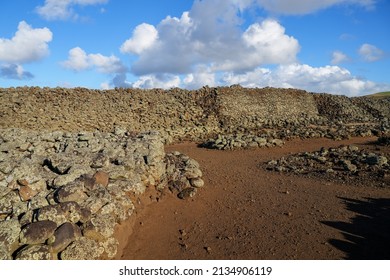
[62, 194]
[346, 163]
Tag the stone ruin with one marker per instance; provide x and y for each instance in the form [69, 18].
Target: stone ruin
[62, 194]
[74, 161]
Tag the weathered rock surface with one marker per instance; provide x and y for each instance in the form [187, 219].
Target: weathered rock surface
[183, 175]
[346, 163]
[62, 194]
[38, 232]
[179, 114]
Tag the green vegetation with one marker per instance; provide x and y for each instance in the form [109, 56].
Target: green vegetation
[384, 94]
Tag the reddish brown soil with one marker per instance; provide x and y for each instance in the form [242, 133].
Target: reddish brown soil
[246, 212]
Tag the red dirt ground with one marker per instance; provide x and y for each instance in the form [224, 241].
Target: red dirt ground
[247, 212]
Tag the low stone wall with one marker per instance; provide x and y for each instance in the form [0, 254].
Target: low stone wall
[250, 109]
[62, 194]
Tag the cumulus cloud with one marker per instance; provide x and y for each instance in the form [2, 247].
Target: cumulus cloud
[209, 34]
[79, 60]
[370, 53]
[208, 45]
[202, 76]
[157, 81]
[144, 36]
[329, 79]
[301, 7]
[165, 81]
[27, 45]
[339, 57]
[15, 72]
[63, 9]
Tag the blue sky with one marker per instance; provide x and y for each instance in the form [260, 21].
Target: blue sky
[334, 46]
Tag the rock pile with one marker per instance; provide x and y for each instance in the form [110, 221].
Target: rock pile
[241, 141]
[183, 174]
[62, 194]
[343, 163]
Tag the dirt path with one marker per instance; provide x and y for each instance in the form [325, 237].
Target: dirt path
[246, 212]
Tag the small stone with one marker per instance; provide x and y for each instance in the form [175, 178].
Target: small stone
[187, 193]
[101, 160]
[277, 142]
[373, 159]
[38, 186]
[192, 172]
[101, 178]
[197, 182]
[89, 182]
[353, 148]
[348, 166]
[22, 182]
[26, 193]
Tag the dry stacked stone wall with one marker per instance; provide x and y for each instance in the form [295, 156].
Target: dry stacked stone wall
[62, 194]
[192, 115]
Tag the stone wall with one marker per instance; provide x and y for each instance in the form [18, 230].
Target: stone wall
[62, 194]
[255, 108]
[180, 114]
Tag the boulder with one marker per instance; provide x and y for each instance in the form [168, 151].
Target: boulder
[35, 252]
[37, 232]
[73, 191]
[63, 236]
[83, 249]
[100, 227]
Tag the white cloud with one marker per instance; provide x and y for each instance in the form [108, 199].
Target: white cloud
[300, 7]
[62, 9]
[339, 57]
[157, 81]
[164, 81]
[329, 79]
[370, 53]
[28, 44]
[209, 35]
[202, 76]
[144, 36]
[15, 72]
[79, 60]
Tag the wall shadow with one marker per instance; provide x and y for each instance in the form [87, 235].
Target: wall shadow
[367, 236]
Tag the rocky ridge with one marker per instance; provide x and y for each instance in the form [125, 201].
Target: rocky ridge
[62, 194]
